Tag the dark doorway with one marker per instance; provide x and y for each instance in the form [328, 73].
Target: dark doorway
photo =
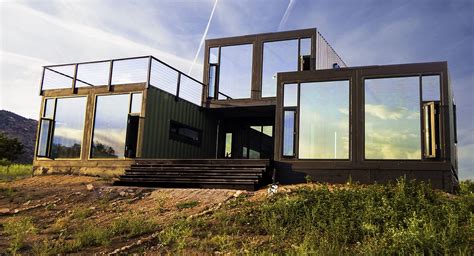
[241, 139]
[131, 138]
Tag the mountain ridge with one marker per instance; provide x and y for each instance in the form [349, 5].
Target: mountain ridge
[22, 128]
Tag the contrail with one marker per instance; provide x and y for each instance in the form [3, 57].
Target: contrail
[203, 38]
[287, 13]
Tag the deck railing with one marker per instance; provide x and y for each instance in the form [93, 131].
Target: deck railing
[117, 72]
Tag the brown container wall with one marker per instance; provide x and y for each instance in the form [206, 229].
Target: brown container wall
[325, 54]
[161, 109]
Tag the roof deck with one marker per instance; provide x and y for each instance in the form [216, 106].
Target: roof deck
[143, 71]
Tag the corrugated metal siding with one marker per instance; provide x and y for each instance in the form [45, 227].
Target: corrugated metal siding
[161, 107]
[325, 54]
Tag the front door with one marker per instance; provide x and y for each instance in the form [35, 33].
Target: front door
[246, 140]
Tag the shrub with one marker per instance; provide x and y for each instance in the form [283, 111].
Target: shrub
[187, 205]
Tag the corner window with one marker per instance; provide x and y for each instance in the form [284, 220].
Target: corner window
[185, 133]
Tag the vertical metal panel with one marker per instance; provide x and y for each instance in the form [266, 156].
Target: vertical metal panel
[163, 107]
[325, 54]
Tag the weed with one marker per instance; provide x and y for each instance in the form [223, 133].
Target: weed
[175, 235]
[82, 213]
[17, 230]
[132, 226]
[187, 204]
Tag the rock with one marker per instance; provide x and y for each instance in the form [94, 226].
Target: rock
[92, 208]
[4, 210]
[123, 193]
[27, 202]
[90, 187]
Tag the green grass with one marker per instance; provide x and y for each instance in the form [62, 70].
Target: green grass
[187, 204]
[15, 171]
[18, 230]
[401, 218]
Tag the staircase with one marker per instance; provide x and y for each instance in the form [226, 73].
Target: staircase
[246, 174]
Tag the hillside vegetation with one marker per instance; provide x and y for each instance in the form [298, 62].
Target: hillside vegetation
[400, 218]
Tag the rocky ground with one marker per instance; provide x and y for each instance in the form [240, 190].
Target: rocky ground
[60, 206]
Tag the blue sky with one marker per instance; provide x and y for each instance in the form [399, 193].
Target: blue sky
[363, 32]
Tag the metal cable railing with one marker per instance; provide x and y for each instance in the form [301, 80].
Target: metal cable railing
[117, 72]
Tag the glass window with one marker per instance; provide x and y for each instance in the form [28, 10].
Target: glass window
[392, 118]
[214, 55]
[136, 105]
[324, 120]
[185, 133]
[49, 106]
[68, 127]
[228, 145]
[288, 133]
[305, 46]
[290, 95]
[44, 138]
[212, 80]
[278, 56]
[110, 126]
[431, 88]
[235, 74]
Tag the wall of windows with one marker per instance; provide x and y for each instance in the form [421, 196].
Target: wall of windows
[62, 128]
[112, 114]
[392, 118]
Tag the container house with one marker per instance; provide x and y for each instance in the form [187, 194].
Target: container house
[276, 107]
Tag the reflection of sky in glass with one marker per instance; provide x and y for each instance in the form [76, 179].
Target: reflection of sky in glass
[213, 55]
[431, 88]
[130, 71]
[277, 57]
[290, 95]
[305, 46]
[235, 77]
[93, 74]
[69, 127]
[49, 108]
[43, 138]
[392, 118]
[228, 144]
[136, 103]
[288, 133]
[324, 120]
[110, 126]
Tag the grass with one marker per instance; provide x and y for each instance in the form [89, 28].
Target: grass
[187, 204]
[15, 171]
[18, 230]
[400, 218]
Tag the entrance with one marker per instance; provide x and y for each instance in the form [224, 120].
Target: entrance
[246, 140]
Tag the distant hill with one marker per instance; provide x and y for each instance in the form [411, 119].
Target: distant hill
[24, 129]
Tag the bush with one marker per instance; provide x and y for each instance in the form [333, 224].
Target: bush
[15, 171]
[10, 148]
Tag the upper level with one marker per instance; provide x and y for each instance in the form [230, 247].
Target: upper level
[238, 71]
[242, 70]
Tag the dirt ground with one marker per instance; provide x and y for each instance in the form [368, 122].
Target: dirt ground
[50, 199]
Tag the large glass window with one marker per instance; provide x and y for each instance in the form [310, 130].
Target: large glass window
[235, 72]
[324, 120]
[278, 56]
[68, 127]
[110, 124]
[289, 133]
[392, 118]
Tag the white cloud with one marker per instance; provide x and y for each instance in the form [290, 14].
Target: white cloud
[387, 113]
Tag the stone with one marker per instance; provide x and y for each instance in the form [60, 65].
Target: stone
[4, 210]
[90, 187]
[27, 202]
[123, 193]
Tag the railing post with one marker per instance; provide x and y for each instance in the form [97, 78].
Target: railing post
[42, 81]
[74, 78]
[178, 86]
[149, 72]
[111, 68]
